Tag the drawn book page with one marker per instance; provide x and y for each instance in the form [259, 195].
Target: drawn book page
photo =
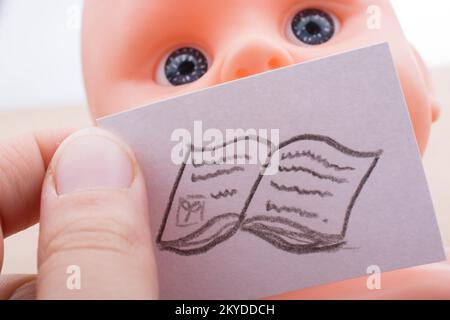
[209, 196]
[306, 206]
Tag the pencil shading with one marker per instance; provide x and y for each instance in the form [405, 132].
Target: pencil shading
[304, 207]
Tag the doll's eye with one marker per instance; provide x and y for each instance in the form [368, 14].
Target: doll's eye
[313, 26]
[185, 65]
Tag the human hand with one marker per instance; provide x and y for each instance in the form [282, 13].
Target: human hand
[89, 196]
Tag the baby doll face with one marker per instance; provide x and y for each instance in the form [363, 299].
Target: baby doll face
[136, 52]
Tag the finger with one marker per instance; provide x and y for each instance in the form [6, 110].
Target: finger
[18, 287]
[23, 162]
[94, 223]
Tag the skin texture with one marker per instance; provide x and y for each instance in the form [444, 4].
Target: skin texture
[125, 42]
[99, 225]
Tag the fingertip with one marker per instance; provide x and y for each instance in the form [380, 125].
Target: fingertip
[91, 159]
[94, 214]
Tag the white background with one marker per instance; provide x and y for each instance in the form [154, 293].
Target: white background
[40, 47]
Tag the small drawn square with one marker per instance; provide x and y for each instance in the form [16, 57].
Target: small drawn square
[190, 212]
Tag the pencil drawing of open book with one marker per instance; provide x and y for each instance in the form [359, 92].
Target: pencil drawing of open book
[303, 207]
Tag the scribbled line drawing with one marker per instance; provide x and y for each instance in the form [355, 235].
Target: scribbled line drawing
[313, 173]
[307, 240]
[186, 209]
[271, 206]
[224, 194]
[314, 157]
[300, 191]
[308, 211]
[224, 160]
[219, 172]
[195, 196]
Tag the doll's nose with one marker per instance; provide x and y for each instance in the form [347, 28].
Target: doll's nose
[252, 58]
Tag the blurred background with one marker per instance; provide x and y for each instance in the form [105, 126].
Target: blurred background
[41, 86]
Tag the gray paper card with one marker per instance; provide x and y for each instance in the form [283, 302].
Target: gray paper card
[323, 181]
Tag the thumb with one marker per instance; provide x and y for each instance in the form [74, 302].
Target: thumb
[95, 240]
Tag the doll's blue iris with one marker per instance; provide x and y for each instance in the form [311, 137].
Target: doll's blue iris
[313, 26]
[185, 65]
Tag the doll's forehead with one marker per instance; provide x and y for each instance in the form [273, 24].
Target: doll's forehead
[142, 13]
[212, 5]
[201, 13]
[197, 20]
[185, 3]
